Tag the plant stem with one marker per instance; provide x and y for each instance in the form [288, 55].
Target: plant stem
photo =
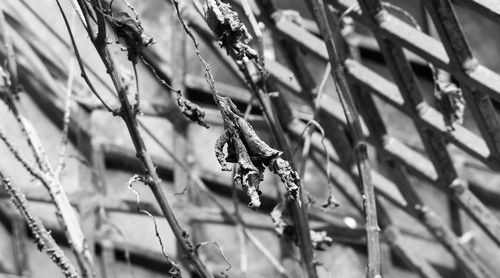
[360, 148]
[43, 239]
[128, 115]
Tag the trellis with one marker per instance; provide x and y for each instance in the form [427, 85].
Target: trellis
[451, 53]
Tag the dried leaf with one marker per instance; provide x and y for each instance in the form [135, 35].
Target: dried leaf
[219, 151]
[450, 102]
[287, 175]
[230, 32]
[251, 153]
[191, 110]
[247, 176]
[131, 34]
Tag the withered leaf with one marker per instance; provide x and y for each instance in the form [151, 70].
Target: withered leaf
[219, 151]
[247, 176]
[191, 110]
[251, 154]
[450, 102]
[131, 34]
[230, 32]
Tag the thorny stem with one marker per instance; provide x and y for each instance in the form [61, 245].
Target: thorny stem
[354, 126]
[129, 117]
[65, 212]
[67, 217]
[43, 239]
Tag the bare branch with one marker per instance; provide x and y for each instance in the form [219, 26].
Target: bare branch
[360, 148]
[43, 239]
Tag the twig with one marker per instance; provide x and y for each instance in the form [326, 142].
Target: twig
[67, 216]
[232, 217]
[229, 266]
[175, 271]
[331, 200]
[256, 29]
[80, 63]
[43, 239]
[207, 70]
[360, 147]
[63, 41]
[129, 117]
[242, 59]
[51, 182]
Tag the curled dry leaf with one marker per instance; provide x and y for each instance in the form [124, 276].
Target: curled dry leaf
[191, 110]
[230, 32]
[251, 154]
[450, 101]
[130, 33]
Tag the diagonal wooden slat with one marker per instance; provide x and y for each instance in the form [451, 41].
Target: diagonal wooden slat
[461, 58]
[436, 147]
[488, 8]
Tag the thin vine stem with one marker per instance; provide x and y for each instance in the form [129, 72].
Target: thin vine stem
[360, 147]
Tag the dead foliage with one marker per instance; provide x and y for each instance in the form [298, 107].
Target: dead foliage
[251, 154]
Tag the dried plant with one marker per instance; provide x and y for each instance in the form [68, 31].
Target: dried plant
[241, 145]
[230, 32]
[251, 154]
[43, 240]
